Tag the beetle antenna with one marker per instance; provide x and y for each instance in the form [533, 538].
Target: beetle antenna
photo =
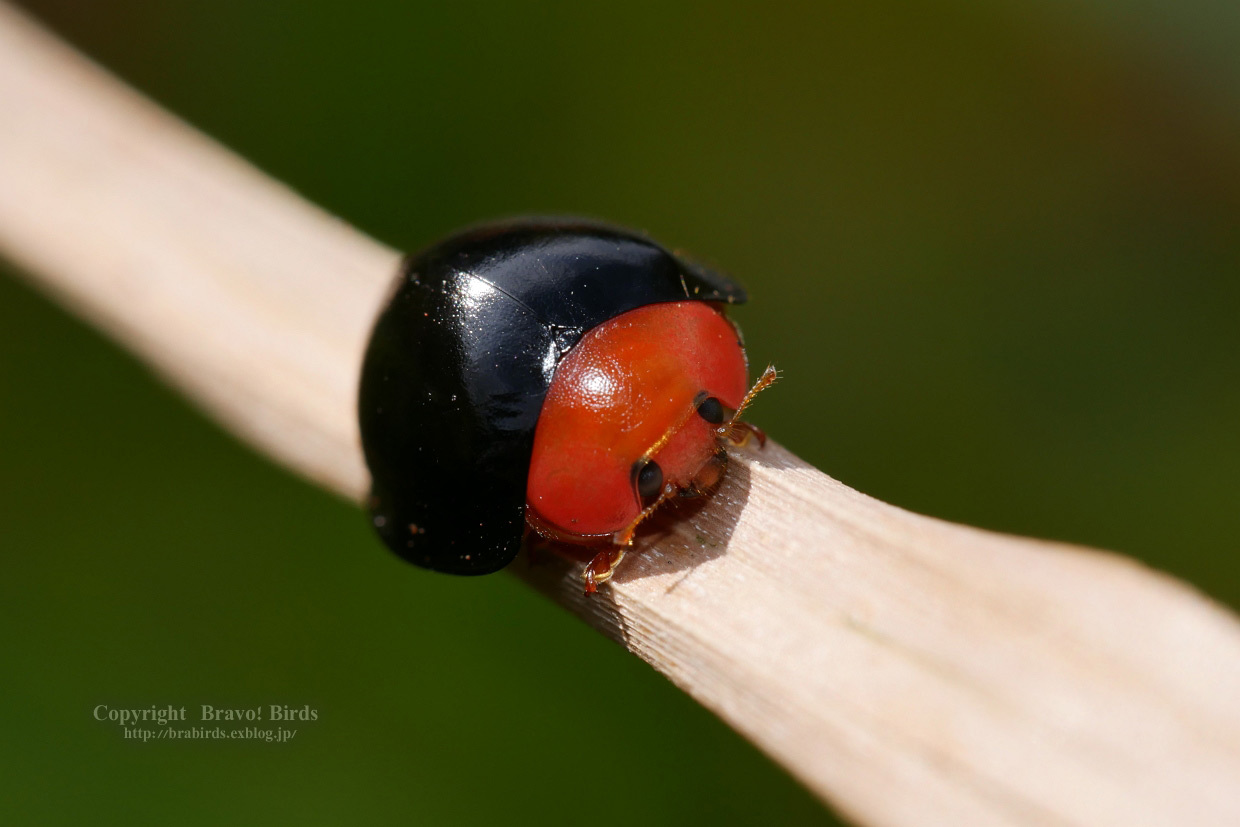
[667, 435]
[595, 573]
[624, 537]
[767, 379]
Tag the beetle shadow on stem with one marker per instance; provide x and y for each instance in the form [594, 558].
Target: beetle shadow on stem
[688, 533]
[679, 538]
[683, 534]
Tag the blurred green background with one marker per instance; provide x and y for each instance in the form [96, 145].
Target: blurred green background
[994, 248]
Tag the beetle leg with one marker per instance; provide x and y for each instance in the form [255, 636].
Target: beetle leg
[604, 564]
[601, 568]
[708, 476]
[739, 434]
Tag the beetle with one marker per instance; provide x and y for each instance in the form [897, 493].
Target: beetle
[549, 377]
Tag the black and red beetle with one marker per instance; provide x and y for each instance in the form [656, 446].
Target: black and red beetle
[562, 377]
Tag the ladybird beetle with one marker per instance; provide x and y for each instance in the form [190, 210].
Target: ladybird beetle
[555, 377]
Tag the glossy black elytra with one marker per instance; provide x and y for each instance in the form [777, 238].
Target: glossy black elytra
[461, 360]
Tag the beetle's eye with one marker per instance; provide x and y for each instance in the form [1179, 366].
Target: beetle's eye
[647, 478]
[711, 409]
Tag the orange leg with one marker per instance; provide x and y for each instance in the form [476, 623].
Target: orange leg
[601, 568]
[739, 434]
